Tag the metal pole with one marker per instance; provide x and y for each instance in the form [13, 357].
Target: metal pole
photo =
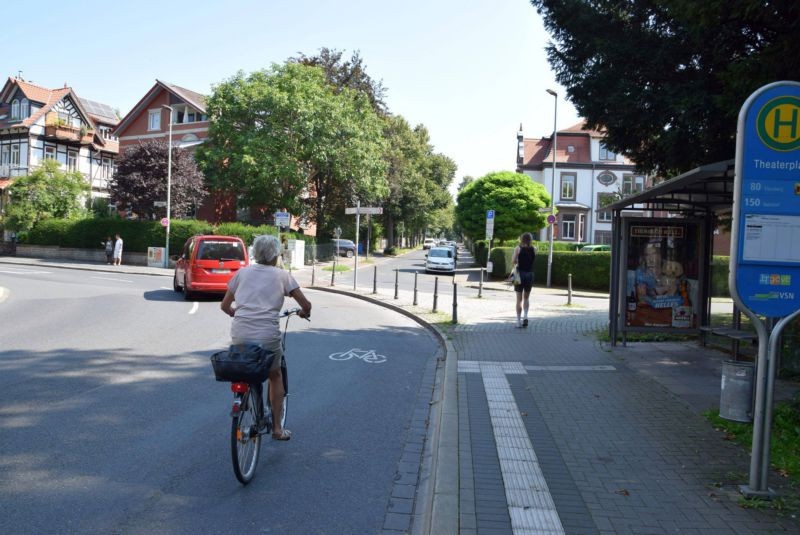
[375, 279]
[569, 289]
[435, 293]
[333, 273]
[552, 188]
[480, 285]
[415, 288]
[169, 184]
[455, 302]
[396, 275]
[358, 223]
[313, 263]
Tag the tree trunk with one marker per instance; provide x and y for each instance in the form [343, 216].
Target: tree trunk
[390, 231]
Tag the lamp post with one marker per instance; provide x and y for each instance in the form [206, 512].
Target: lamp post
[169, 180]
[552, 189]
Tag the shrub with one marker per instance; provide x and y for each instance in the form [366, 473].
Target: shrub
[720, 267]
[392, 251]
[501, 258]
[589, 271]
[480, 252]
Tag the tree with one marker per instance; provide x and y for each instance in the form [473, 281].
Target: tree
[285, 138]
[666, 78]
[515, 199]
[349, 74]
[47, 192]
[141, 180]
[466, 180]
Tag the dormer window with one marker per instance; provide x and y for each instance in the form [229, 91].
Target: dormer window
[570, 148]
[606, 154]
[15, 109]
[24, 109]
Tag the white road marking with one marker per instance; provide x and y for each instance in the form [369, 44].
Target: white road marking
[3, 294]
[111, 279]
[530, 504]
[516, 368]
[601, 368]
[194, 308]
[24, 272]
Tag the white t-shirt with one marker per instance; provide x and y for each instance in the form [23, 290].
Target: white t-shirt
[259, 291]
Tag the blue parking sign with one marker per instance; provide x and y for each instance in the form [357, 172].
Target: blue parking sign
[489, 214]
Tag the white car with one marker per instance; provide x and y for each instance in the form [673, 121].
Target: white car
[428, 243]
[440, 260]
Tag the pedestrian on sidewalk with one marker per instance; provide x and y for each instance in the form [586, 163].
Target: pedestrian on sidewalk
[524, 254]
[109, 245]
[118, 251]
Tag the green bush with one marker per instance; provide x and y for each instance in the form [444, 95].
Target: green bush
[720, 267]
[392, 251]
[589, 271]
[479, 250]
[501, 258]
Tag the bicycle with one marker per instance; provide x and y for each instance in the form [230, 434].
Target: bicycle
[252, 416]
[366, 355]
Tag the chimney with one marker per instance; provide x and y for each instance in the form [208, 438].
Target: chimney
[520, 146]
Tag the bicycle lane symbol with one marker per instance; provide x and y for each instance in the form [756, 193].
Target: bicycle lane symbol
[367, 355]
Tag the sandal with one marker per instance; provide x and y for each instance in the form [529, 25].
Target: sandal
[285, 434]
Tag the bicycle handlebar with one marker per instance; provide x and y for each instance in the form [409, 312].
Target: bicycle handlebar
[292, 311]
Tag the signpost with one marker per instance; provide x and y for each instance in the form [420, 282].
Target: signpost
[765, 242]
[489, 234]
[358, 210]
[282, 219]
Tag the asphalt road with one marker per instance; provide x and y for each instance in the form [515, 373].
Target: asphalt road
[111, 422]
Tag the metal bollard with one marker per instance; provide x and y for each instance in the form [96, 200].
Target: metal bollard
[455, 302]
[415, 288]
[480, 285]
[569, 289]
[312, 272]
[396, 275]
[435, 292]
[375, 280]
[333, 273]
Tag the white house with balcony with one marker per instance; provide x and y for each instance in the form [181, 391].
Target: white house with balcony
[38, 124]
[586, 173]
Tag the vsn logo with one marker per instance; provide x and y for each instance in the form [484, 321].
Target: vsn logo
[778, 123]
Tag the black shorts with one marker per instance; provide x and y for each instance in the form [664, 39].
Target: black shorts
[526, 282]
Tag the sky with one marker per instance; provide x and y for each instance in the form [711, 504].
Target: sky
[470, 70]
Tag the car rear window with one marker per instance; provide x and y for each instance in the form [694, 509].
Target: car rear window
[220, 250]
[443, 253]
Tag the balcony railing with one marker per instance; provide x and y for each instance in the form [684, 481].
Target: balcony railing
[69, 133]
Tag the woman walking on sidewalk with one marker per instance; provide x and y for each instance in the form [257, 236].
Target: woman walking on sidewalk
[524, 255]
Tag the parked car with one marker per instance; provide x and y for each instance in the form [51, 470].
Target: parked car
[440, 260]
[454, 246]
[207, 263]
[346, 247]
[593, 248]
[428, 243]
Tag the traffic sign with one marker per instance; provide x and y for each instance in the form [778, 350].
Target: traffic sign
[374, 210]
[551, 219]
[164, 222]
[282, 219]
[489, 214]
[766, 220]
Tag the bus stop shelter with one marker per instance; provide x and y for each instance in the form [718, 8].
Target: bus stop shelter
[662, 250]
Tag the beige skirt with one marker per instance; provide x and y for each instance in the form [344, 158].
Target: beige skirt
[271, 345]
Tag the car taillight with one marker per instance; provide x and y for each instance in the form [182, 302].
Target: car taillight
[239, 388]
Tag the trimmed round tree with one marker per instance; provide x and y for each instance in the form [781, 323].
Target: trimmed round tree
[515, 199]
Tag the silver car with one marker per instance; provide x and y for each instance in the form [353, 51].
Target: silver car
[440, 260]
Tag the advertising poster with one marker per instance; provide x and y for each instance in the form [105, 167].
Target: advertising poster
[662, 274]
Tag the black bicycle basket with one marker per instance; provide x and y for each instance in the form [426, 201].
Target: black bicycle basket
[242, 363]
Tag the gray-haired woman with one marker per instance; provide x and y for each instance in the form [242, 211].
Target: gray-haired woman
[258, 291]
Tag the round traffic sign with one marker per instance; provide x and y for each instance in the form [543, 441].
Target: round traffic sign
[551, 219]
[164, 221]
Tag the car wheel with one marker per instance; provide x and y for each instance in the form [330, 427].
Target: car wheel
[175, 285]
[349, 253]
[188, 295]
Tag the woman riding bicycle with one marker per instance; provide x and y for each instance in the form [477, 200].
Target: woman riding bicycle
[258, 291]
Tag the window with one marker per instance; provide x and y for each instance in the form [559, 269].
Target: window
[49, 153]
[568, 186]
[72, 160]
[606, 154]
[4, 155]
[602, 237]
[606, 178]
[15, 109]
[15, 155]
[632, 184]
[570, 148]
[568, 227]
[154, 120]
[24, 109]
[106, 173]
[604, 199]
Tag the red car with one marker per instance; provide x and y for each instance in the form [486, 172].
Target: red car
[207, 263]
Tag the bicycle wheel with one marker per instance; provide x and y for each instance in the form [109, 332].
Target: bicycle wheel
[245, 439]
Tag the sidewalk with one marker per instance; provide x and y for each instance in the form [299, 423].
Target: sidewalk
[546, 430]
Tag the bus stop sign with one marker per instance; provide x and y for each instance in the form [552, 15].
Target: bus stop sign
[765, 249]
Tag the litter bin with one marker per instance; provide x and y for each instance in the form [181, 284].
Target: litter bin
[736, 397]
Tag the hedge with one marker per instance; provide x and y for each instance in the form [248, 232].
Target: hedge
[502, 261]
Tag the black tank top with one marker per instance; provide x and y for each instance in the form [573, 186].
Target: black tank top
[525, 258]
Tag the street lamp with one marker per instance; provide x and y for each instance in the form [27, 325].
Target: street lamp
[169, 181]
[552, 189]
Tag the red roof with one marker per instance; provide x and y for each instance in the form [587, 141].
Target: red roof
[35, 93]
[574, 146]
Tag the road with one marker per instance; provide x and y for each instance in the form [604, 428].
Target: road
[111, 422]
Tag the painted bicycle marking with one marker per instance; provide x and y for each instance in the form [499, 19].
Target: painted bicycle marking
[367, 355]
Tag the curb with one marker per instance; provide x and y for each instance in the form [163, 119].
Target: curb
[442, 492]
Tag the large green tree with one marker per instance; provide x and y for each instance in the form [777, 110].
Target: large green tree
[515, 199]
[140, 181]
[47, 192]
[666, 78]
[285, 138]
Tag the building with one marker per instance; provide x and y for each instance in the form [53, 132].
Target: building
[38, 124]
[588, 175]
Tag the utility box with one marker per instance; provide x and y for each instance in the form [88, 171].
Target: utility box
[736, 396]
[155, 256]
[295, 253]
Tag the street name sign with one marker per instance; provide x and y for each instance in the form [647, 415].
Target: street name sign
[765, 250]
[282, 219]
[374, 210]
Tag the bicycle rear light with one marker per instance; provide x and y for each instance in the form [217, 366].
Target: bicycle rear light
[239, 388]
